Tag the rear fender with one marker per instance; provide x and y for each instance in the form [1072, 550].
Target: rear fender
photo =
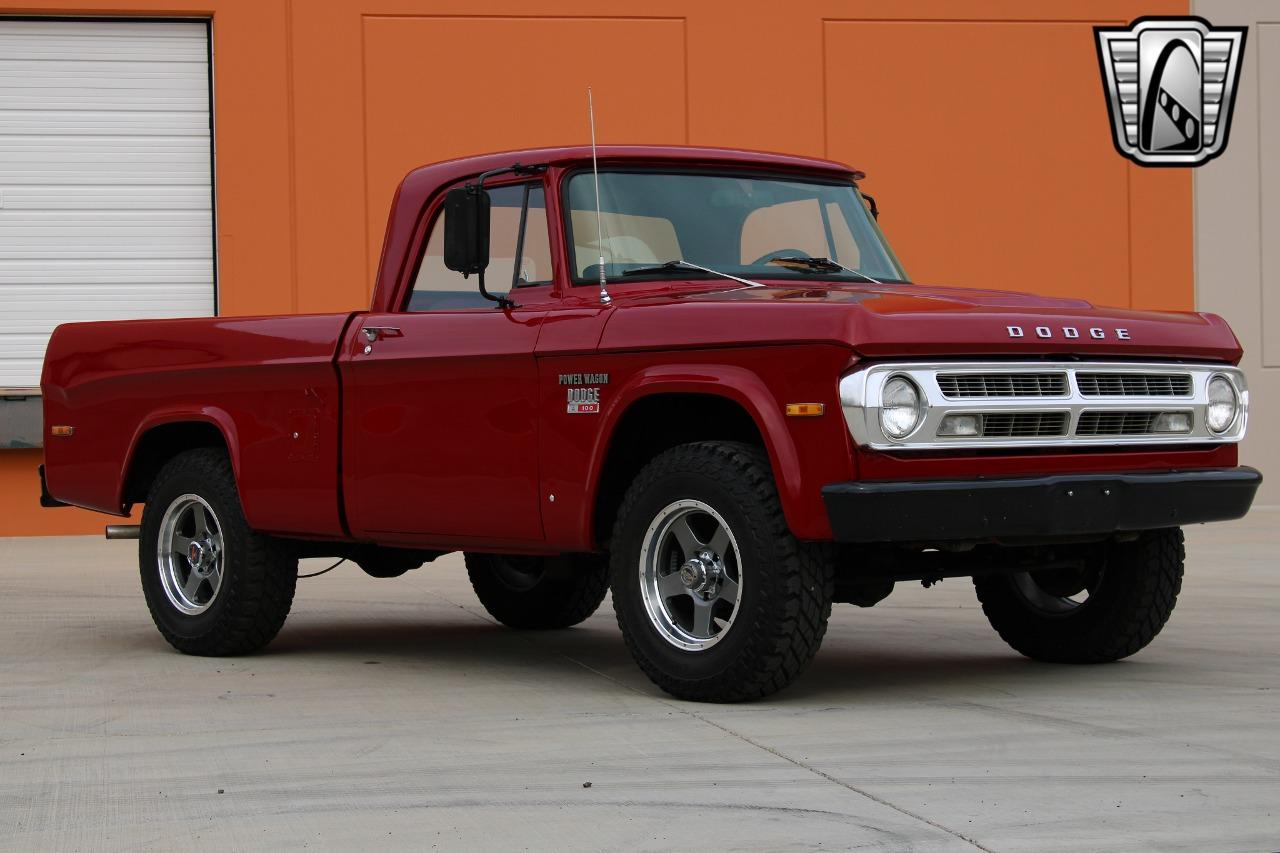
[212, 415]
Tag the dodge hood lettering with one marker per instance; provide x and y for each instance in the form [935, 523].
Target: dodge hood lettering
[1098, 333]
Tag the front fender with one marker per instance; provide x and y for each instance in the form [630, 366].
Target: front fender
[801, 501]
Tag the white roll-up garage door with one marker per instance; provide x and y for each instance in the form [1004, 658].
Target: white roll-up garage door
[105, 178]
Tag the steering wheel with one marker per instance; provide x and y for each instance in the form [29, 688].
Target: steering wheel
[780, 253]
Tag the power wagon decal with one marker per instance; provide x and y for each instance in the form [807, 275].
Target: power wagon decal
[583, 392]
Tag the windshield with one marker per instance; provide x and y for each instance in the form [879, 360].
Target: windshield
[730, 223]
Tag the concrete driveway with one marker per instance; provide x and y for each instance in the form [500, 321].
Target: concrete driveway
[394, 714]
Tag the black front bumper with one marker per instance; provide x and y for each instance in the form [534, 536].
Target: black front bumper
[1058, 505]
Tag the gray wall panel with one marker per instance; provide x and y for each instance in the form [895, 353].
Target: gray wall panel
[1237, 220]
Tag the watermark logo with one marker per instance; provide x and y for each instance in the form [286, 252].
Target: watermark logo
[1170, 86]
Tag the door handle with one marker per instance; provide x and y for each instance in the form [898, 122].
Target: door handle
[377, 333]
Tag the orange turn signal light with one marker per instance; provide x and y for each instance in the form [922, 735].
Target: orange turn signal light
[62, 431]
[805, 410]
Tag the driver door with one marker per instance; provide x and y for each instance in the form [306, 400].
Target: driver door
[440, 403]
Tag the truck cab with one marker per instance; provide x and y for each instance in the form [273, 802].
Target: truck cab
[698, 377]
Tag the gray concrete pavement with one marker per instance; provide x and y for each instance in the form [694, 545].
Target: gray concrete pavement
[394, 714]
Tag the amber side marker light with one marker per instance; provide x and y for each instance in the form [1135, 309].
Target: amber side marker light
[805, 410]
[62, 431]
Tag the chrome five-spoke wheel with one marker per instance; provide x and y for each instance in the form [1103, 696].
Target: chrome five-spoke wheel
[213, 584]
[189, 554]
[716, 598]
[690, 575]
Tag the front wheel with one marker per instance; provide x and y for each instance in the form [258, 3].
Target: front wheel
[716, 600]
[213, 585]
[1106, 606]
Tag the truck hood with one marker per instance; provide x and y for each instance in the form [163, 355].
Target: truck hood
[908, 320]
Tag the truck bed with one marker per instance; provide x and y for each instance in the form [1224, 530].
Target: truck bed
[268, 385]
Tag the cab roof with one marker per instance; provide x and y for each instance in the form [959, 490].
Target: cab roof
[436, 174]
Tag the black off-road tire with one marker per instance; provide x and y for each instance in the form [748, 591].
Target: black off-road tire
[1137, 591]
[259, 572]
[538, 593]
[787, 588]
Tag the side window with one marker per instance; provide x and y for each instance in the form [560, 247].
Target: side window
[437, 288]
[846, 245]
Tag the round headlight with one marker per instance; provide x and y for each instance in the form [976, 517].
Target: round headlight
[1224, 404]
[901, 409]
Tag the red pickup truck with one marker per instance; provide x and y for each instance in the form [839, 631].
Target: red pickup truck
[707, 385]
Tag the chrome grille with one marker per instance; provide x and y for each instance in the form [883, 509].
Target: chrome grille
[1117, 423]
[966, 385]
[1134, 384]
[1023, 424]
[1023, 404]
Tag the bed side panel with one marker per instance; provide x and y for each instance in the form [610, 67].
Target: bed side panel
[267, 383]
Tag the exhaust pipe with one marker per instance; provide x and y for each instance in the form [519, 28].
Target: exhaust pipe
[123, 531]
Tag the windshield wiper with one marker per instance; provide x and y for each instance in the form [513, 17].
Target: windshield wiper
[688, 265]
[819, 265]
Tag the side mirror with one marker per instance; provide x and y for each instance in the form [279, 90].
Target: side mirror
[466, 230]
[871, 205]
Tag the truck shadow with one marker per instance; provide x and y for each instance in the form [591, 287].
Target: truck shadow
[913, 673]
[841, 672]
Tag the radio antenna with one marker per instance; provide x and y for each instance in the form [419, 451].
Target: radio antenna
[595, 174]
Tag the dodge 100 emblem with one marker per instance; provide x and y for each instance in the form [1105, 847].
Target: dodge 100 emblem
[1068, 332]
[584, 401]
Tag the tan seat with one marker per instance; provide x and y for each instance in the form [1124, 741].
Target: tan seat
[622, 249]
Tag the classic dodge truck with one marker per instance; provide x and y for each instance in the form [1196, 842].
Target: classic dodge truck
[707, 385]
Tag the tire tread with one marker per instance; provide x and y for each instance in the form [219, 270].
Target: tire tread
[262, 588]
[785, 637]
[1150, 570]
[552, 605]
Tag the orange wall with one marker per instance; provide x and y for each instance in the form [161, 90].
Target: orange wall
[981, 125]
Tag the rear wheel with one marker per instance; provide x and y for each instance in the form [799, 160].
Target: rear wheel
[1103, 608]
[716, 600]
[380, 562]
[213, 586]
[538, 592]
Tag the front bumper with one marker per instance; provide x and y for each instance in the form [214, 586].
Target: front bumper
[1056, 505]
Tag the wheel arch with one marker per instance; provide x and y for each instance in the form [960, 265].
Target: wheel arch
[677, 404]
[163, 436]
